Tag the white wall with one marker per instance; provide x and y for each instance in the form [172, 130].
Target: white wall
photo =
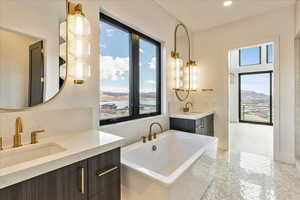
[211, 49]
[14, 69]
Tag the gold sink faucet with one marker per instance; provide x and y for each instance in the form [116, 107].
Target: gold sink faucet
[186, 107]
[19, 130]
[150, 130]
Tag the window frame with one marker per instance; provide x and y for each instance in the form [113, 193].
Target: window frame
[267, 54]
[260, 56]
[270, 72]
[134, 73]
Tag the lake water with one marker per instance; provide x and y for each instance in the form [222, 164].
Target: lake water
[123, 104]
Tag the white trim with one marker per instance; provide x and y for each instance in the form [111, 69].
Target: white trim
[135, 120]
[285, 158]
[276, 92]
[297, 99]
[298, 165]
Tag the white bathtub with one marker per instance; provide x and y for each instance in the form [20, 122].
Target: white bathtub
[181, 168]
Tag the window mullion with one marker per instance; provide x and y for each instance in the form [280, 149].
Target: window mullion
[135, 75]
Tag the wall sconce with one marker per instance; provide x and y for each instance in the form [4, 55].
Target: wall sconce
[185, 75]
[79, 46]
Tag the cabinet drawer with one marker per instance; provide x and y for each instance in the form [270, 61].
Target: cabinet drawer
[186, 125]
[104, 176]
[34, 189]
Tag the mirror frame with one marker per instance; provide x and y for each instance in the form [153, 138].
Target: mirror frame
[66, 79]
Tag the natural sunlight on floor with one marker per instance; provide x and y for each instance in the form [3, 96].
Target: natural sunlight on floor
[251, 138]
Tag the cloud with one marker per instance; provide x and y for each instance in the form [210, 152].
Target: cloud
[152, 63]
[147, 90]
[123, 90]
[151, 82]
[109, 32]
[113, 68]
[114, 89]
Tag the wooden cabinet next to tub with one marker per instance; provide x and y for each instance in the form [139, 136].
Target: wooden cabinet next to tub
[202, 124]
[96, 178]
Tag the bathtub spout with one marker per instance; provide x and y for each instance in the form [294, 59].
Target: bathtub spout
[150, 136]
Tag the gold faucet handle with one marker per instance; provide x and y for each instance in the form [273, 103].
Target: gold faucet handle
[186, 110]
[1, 144]
[34, 136]
[144, 138]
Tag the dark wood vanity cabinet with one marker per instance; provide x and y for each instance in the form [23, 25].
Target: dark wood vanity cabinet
[97, 178]
[104, 177]
[202, 126]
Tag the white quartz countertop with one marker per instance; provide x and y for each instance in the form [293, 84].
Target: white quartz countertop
[77, 147]
[191, 115]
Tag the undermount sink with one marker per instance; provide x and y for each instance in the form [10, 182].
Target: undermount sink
[191, 113]
[11, 157]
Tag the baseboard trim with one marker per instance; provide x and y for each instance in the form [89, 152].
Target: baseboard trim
[285, 158]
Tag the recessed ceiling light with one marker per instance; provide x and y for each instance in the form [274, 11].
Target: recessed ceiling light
[227, 3]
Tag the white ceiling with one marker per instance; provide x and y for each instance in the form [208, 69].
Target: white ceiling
[204, 14]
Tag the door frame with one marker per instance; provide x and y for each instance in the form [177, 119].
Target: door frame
[276, 89]
[39, 44]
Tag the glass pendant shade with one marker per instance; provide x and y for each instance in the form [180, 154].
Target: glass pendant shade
[191, 78]
[79, 25]
[80, 48]
[178, 73]
[80, 71]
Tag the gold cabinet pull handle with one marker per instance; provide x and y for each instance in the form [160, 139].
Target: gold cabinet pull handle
[1, 144]
[107, 171]
[82, 188]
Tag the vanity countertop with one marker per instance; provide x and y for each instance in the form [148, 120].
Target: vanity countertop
[76, 147]
[191, 115]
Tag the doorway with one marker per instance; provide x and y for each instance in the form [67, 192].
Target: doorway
[36, 74]
[251, 99]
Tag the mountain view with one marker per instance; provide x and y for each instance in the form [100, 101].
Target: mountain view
[255, 106]
[116, 104]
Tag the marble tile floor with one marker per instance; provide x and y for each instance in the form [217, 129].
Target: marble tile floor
[248, 176]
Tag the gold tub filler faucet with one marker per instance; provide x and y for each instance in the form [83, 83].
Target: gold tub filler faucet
[150, 135]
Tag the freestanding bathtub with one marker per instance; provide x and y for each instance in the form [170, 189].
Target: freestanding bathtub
[181, 167]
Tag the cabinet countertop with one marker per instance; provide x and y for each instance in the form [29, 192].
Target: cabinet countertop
[192, 115]
[77, 146]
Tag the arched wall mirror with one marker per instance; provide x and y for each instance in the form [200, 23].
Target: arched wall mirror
[33, 59]
[185, 68]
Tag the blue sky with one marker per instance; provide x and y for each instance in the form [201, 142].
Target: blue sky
[259, 83]
[256, 82]
[250, 56]
[114, 52]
